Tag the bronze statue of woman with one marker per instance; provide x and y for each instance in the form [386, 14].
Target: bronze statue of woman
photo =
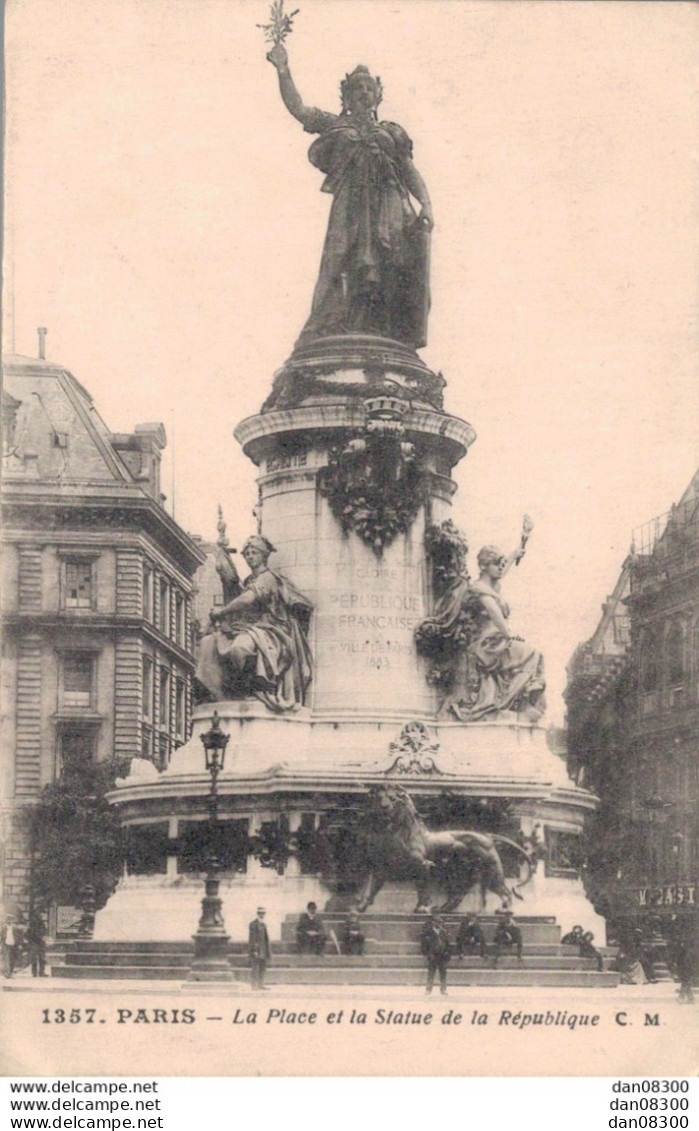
[374, 270]
[480, 665]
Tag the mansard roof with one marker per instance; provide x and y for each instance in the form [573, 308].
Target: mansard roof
[58, 452]
[59, 437]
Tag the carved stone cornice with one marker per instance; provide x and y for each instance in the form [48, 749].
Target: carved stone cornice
[319, 424]
[91, 510]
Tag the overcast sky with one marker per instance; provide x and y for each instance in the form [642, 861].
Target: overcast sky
[165, 225]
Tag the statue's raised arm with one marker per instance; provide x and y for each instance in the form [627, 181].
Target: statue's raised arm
[291, 98]
[374, 271]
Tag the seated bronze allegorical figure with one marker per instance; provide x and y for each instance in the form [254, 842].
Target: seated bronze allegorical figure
[257, 644]
[481, 667]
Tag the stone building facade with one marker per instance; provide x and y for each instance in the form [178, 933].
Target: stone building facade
[633, 726]
[96, 594]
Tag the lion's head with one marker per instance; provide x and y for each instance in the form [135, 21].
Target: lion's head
[394, 808]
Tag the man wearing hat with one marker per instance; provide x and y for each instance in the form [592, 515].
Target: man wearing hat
[574, 937]
[310, 932]
[258, 950]
[507, 934]
[435, 945]
[470, 939]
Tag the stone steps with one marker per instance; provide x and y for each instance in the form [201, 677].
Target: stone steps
[388, 946]
[348, 976]
[327, 961]
[457, 977]
[392, 957]
[135, 973]
[409, 928]
[372, 947]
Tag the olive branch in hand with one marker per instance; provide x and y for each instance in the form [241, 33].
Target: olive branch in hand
[280, 24]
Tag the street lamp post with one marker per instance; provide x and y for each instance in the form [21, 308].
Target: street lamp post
[211, 941]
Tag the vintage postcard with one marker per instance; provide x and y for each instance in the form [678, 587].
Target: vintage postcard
[350, 538]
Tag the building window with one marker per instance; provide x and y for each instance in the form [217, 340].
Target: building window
[147, 743]
[163, 753]
[180, 620]
[148, 593]
[10, 408]
[76, 749]
[77, 680]
[164, 607]
[78, 589]
[180, 707]
[164, 714]
[78, 584]
[147, 710]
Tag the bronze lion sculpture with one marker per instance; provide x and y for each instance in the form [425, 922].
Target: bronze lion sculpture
[398, 846]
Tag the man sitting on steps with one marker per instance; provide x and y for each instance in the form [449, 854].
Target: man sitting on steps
[508, 935]
[310, 932]
[470, 939]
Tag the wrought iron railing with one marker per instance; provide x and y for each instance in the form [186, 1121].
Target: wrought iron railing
[665, 546]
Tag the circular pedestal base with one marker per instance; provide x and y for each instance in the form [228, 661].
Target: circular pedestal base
[352, 364]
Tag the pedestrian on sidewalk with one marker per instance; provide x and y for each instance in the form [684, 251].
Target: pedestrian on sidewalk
[36, 939]
[11, 938]
[259, 950]
[685, 933]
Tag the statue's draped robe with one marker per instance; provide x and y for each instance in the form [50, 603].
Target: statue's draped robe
[281, 666]
[507, 670]
[375, 265]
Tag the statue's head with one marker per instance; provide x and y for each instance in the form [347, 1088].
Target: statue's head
[257, 549]
[360, 90]
[490, 558]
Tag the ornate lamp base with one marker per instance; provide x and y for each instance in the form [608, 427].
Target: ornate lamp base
[211, 941]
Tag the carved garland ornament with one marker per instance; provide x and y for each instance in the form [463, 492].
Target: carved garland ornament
[374, 483]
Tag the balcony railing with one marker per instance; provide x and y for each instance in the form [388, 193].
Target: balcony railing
[665, 546]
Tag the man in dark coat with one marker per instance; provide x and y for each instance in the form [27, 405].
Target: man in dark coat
[436, 947]
[258, 950]
[684, 946]
[573, 938]
[310, 932]
[353, 935]
[470, 939]
[36, 938]
[589, 950]
[508, 935]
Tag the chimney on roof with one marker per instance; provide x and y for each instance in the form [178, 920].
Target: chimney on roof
[42, 332]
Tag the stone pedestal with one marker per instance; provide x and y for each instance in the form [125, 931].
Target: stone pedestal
[340, 412]
[366, 605]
